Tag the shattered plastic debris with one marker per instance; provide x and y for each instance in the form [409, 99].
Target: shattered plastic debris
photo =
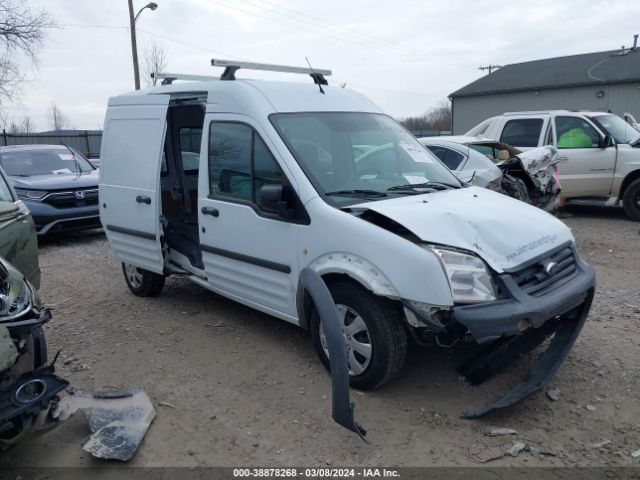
[118, 420]
[516, 449]
[495, 432]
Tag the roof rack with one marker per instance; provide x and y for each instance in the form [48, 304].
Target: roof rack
[232, 66]
[168, 78]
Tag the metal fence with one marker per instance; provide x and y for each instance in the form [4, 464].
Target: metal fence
[430, 133]
[85, 141]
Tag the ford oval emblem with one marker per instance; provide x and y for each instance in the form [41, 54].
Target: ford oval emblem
[551, 268]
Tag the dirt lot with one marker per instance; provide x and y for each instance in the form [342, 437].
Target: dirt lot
[235, 387]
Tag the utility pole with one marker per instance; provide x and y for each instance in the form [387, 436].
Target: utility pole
[134, 47]
[490, 68]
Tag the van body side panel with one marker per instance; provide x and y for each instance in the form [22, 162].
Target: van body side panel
[247, 254]
[132, 148]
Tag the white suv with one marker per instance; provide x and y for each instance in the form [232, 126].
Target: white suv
[599, 152]
[295, 176]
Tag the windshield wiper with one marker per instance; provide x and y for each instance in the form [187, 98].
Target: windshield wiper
[413, 186]
[356, 192]
[75, 159]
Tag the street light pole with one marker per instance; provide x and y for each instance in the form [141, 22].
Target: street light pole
[134, 46]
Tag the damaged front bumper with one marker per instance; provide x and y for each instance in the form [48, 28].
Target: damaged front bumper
[28, 388]
[514, 327]
[546, 300]
[521, 311]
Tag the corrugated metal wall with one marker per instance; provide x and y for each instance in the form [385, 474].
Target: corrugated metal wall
[85, 141]
[469, 111]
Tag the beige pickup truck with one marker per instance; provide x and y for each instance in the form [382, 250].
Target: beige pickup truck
[599, 152]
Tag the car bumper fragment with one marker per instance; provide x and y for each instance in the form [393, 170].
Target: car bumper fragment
[510, 329]
[343, 408]
[566, 331]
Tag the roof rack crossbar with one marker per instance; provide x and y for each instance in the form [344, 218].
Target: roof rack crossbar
[168, 78]
[232, 66]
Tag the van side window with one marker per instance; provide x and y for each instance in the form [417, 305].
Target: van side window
[190, 149]
[524, 132]
[240, 163]
[574, 132]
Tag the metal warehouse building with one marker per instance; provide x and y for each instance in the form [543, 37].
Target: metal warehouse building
[603, 81]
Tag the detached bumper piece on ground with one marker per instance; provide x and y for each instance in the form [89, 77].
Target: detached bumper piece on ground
[118, 420]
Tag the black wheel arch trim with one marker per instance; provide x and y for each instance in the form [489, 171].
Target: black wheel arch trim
[343, 408]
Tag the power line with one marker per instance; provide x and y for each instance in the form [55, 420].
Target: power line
[305, 28]
[298, 16]
[209, 50]
[152, 34]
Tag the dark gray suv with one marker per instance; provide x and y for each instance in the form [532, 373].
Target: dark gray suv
[58, 185]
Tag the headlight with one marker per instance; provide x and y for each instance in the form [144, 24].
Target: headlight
[469, 278]
[30, 194]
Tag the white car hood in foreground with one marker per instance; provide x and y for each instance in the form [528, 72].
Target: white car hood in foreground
[503, 231]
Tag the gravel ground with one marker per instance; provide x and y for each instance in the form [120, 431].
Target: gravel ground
[233, 386]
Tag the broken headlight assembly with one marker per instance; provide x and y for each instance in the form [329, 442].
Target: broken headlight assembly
[469, 277]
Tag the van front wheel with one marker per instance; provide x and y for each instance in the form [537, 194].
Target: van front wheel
[374, 333]
[141, 282]
[631, 200]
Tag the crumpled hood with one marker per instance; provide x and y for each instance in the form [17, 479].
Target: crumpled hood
[57, 181]
[503, 231]
[538, 159]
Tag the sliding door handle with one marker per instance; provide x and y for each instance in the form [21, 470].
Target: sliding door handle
[143, 199]
[214, 212]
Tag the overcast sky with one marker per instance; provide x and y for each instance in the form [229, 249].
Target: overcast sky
[405, 55]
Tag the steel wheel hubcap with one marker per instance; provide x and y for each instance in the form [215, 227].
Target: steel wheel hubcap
[358, 340]
[134, 275]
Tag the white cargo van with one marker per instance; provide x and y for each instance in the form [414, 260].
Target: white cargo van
[242, 184]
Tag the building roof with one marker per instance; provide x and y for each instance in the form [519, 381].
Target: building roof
[600, 68]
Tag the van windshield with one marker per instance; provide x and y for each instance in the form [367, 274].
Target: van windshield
[351, 156]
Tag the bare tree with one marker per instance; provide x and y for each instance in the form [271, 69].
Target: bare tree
[21, 125]
[57, 119]
[21, 35]
[436, 118]
[154, 58]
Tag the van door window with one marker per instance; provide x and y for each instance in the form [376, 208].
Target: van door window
[240, 163]
[190, 139]
[575, 132]
[523, 132]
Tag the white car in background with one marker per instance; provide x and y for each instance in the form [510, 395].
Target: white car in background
[530, 176]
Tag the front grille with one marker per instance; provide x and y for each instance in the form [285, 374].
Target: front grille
[69, 199]
[550, 272]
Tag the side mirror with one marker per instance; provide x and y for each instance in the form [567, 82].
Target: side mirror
[607, 142]
[273, 198]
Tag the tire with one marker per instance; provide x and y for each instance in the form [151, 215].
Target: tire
[631, 200]
[385, 334]
[142, 283]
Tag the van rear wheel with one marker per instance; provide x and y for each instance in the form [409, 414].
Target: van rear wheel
[631, 200]
[374, 333]
[141, 282]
